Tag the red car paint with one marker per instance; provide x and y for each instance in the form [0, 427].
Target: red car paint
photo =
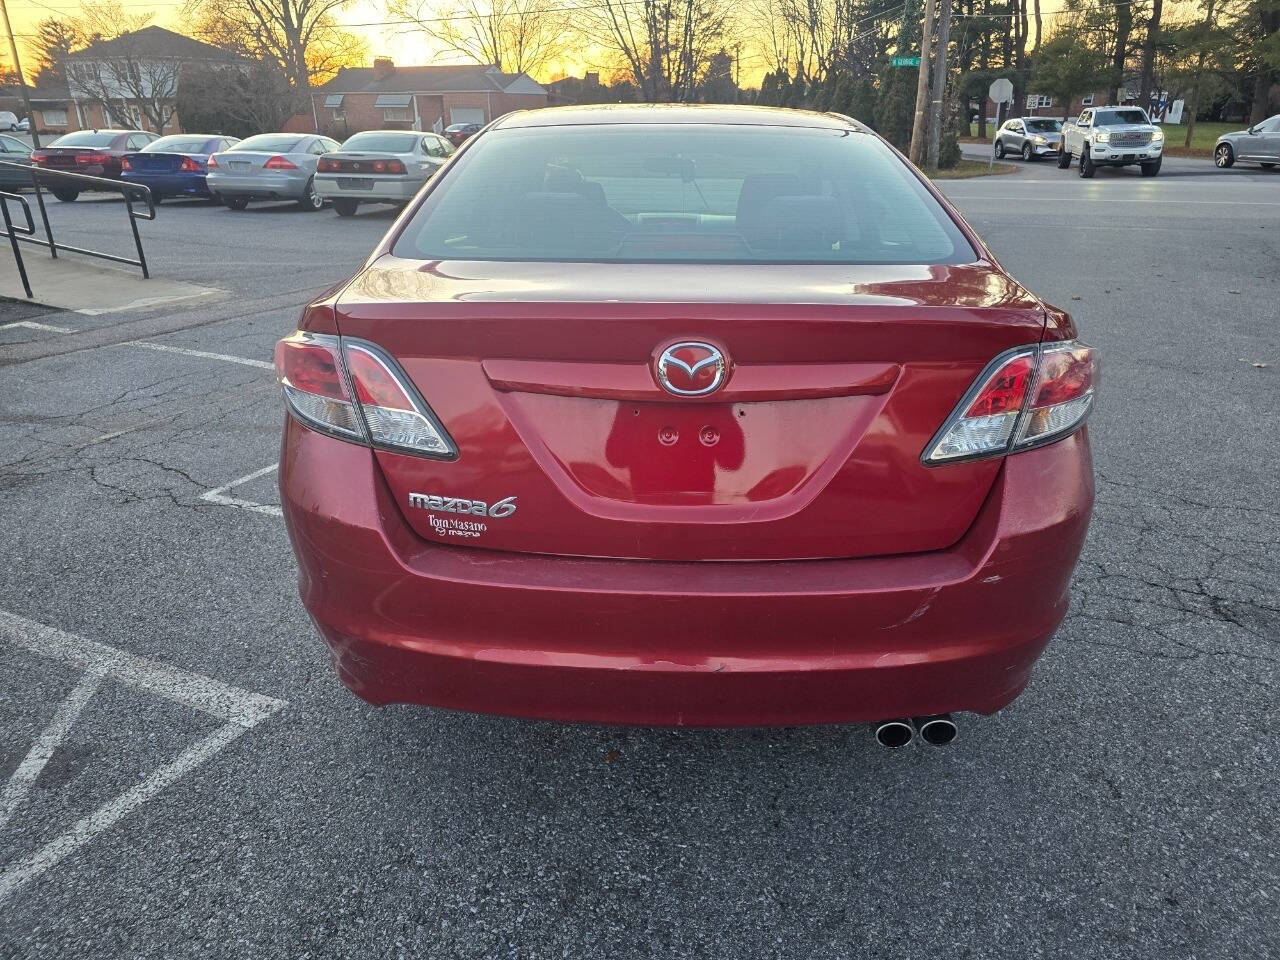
[773, 552]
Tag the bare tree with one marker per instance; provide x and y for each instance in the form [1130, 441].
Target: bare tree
[127, 81]
[666, 44]
[303, 37]
[516, 36]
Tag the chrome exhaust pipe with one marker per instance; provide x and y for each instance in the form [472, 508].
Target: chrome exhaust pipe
[895, 733]
[938, 729]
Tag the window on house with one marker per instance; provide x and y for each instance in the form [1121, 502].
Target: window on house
[54, 118]
[1087, 101]
[395, 107]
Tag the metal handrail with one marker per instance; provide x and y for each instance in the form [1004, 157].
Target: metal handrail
[14, 233]
[129, 192]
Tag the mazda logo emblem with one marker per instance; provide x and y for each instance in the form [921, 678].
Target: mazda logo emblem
[691, 369]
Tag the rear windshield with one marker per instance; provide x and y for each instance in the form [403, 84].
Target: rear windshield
[1112, 118]
[1044, 125]
[382, 142]
[85, 139]
[692, 193]
[177, 145]
[282, 142]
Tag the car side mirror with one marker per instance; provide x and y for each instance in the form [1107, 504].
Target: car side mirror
[1253, 130]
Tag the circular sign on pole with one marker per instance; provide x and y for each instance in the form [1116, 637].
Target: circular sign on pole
[1001, 91]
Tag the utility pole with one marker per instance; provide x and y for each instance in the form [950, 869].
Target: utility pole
[939, 87]
[22, 82]
[922, 87]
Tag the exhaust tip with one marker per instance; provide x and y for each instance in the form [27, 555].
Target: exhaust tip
[938, 730]
[894, 734]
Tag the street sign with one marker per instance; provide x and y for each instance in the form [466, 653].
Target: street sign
[1001, 91]
[905, 62]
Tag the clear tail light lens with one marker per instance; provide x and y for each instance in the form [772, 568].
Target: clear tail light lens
[1026, 397]
[395, 415]
[387, 410]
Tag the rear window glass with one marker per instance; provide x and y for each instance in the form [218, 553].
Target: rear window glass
[177, 145]
[1111, 118]
[693, 193]
[282, 142]
[1044, 126]
[384, 142]
[87, 139]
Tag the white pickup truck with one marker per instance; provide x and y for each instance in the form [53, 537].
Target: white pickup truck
[1112, 137]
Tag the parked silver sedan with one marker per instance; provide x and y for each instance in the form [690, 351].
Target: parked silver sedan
[1259, 144]
[270, 166]
[380, 166]
[1029, 137]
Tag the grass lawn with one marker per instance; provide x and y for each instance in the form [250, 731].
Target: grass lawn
[974, 168]
[1203, 137]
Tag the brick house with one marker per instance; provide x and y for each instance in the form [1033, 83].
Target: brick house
[387, 97]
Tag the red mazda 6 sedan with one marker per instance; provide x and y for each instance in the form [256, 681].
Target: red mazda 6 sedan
[686, 415]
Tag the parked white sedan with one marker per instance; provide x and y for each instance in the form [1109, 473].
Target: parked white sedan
[380, 166]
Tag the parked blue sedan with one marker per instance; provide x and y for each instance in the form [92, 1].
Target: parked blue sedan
[174, 166]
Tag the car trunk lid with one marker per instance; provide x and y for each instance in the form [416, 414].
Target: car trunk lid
[544, 375]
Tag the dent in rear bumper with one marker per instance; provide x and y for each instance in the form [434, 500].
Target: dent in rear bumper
[705, 643]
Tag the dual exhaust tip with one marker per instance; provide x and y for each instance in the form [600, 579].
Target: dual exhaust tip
[937, 729]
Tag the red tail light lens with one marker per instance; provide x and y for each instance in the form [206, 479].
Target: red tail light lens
[309, 368]
[1026, 397]
[391, 413]
[213, 163]
[395, 166]
[92, 159]
[379, 166]
[125, 164]
[39, 157]
[279, 163]
[1063, 393]
[328, 165]
[190, 165]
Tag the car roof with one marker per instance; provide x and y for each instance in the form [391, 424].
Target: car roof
[675, 113]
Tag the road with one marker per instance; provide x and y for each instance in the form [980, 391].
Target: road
[185, 777]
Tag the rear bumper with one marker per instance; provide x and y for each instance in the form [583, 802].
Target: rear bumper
[170, 184]
[709, 643]
[385, 191]
[280, 187]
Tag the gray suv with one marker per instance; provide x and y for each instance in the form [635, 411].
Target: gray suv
[1259, 144]
[1029, 137]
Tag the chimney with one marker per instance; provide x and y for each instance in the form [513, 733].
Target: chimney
[383, 67]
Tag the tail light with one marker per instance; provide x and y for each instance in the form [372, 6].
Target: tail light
[212, 163]
[320, 372]
[392, 166]
[328, 165]
[379, 166]
[125, 164]
[279, 163]
[92, 159]
[39, 158]
[189, 165]
[1024, 398]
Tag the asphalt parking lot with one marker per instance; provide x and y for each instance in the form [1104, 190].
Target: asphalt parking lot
[184, 776]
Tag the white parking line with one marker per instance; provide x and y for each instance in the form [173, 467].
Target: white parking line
[218, 699]
[240, 710]
[219, 494]
[32, 325]
[203, 354]
[19, 784]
